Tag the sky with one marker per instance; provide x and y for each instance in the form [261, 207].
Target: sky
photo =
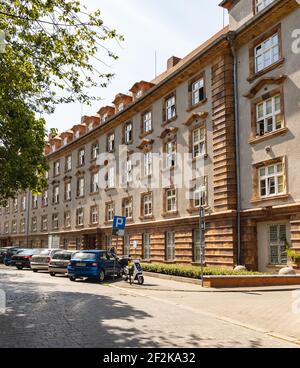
[164, 27]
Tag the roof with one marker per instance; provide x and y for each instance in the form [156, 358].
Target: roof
[228, 3]
[187, 58]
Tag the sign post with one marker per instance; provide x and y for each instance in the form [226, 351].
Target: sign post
[118, 229]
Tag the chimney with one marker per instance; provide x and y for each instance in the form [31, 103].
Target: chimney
[172, 61]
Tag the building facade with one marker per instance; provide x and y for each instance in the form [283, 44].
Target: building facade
[218, 128]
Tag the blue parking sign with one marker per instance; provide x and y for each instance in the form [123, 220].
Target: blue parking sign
[119, 224]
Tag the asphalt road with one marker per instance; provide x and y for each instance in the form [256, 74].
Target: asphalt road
[42, 311]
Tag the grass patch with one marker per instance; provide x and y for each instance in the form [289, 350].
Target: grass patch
[193, 272]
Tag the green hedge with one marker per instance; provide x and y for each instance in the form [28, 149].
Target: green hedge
[191, 271]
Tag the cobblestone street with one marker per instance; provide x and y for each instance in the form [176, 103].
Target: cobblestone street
[53, 312]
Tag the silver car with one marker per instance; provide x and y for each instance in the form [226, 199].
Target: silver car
[40, 262]
[59, 262]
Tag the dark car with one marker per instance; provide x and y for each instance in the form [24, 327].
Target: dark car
[22, 260]
[59, 262]
[96, 264]
[2, 254]
[10, 252]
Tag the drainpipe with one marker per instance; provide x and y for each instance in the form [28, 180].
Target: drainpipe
[231, 39]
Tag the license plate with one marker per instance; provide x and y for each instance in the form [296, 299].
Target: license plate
[80, 264]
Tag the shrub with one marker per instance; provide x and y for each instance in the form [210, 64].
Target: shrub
[191, 271]
[294, 256]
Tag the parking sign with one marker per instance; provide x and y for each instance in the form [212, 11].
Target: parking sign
[119, 224]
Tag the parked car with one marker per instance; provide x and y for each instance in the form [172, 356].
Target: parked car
[40, 261]
[59, 262]
[2, 254]
[11, 251]
[22, 259]
[95, 264]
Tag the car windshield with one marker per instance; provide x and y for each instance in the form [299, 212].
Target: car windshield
[62, 256]
[85, 256]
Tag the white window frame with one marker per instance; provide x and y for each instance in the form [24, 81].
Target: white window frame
[81, 187]
[6, 227]
[56, 168]
[34, 201]
[171, 200]
[269, 47]
[170, 108]
[128, 132]
[111, 177]
[128, 208]
[22, 226]
[55, 221]
[95, 182]
[15, 204]
[45, 198]
[95, 151]
[67, 219]
[94, 215]
[110, 211]
[56, 194]
[111, 142]
[34, 224]
[128, 174]
[14, 227]
[80, 216]
[147, 122]
[68, 191]
[44, 224]
[261, 4]
[278, 245]
[198, 143]
[197, 86]
[147, 163]
[170, 152]
[200, 193]
[267, 177]
[81, 157]
[146, 246]
[269, 115]
[23, 203]
[68, 163]
[147, 204]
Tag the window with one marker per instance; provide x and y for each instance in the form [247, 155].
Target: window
[127, 208]
[6, 227]
[56, 168]
[170, 246]
[111, 177]
[267, 53]
[170, 108]
[94, 182]
[110, 211]
[126, 245]
[146, 246]
[94, 215]
[44, 224]
[171, 200]
[147, 122]
[198, 142]
[23, 203]
[111, 142]
[121, 106]
[14, 227]
[105, 117]
[147, 204]
[271, 180]
[56, 194]
[80, 187]
[7, 208]
[67, 219]
[45, 198]
[68, 193]
[68, 164]
[277, 243]
[197, 245]
[55, 221]
[94, 151]
[128, 133]
[261, 4]
[197, 91]
[53, 147]
[79, 217]
[90, 127]
[170, 151]
[269, 116]
[199, 193]
[34, 224]
[15, 204]
[22, 226]
[65, 141]
[34, 201]
[128, 172]
[148, 163]
[81, 157]
[139, 94]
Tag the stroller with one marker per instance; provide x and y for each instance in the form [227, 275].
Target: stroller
[133, 274]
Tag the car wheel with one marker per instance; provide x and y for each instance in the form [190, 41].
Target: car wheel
[101, 276]
[19, 267]
[72, 278]
[52, 274]
[35, 270]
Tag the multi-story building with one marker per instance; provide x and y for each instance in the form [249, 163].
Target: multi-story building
[230, 107]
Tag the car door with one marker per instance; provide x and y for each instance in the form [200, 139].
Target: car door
[112, 263]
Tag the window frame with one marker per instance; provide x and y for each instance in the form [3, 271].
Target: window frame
[170, 247]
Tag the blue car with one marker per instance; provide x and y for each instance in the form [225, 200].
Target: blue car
[9, 254]
[96, 264]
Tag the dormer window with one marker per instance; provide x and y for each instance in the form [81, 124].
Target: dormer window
[261, 4]
[105, 118]
[77, 134]
[90, 127]
[65, 141]
[139, 94]
[53, 148]
[121, 107]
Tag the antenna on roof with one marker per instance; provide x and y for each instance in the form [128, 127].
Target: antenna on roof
[155, 62]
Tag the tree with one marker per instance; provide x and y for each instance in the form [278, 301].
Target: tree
[51, 57]
[53, 132]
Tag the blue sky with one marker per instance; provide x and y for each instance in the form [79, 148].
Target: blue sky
[169, 27]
